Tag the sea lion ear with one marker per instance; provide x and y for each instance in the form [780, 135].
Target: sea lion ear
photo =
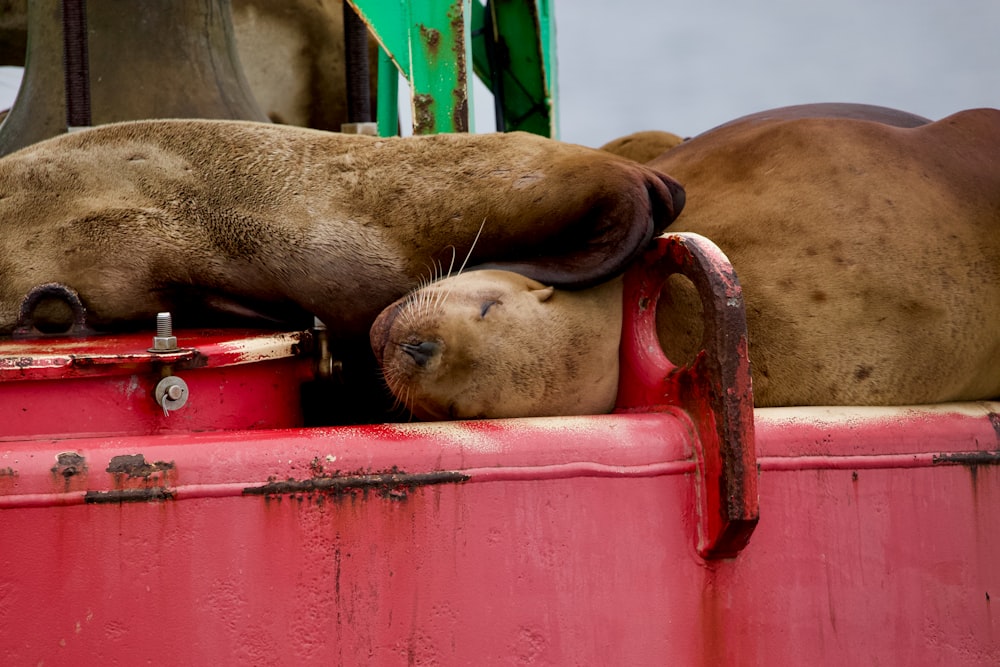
[600, 243]
[543, 293]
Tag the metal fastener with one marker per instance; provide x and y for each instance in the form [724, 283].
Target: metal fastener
[171, 393]
[164, 340]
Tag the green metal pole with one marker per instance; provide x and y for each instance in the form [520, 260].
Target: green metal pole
[387, 114]
[428, 42]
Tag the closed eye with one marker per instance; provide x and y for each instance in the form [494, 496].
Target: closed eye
[486, 307]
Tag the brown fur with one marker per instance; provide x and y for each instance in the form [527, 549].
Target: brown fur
[473, 370]
[292, 53]
[642, 146]
[231, 216]
[869, 257]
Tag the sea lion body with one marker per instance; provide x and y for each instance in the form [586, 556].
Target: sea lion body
[257, 219]
[869, 257]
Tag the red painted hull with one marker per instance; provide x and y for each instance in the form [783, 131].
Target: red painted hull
[705, 533]
[568, 541]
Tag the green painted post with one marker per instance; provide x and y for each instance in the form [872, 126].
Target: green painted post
[522, 69]
[427, 41]
[387, 116]
[431, 43]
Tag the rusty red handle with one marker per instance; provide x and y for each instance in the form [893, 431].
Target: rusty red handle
[715, 389]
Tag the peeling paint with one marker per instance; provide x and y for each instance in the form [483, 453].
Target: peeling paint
[423, 114]
[393, 485]
[431, 39]
[155, 493]
[69, 464]
[460, 95]
[968, 458]
[134, 465]
[265, 348]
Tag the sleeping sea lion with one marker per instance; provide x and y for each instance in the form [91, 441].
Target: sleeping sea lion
[251, 219]
[501, 345]
[868, 254]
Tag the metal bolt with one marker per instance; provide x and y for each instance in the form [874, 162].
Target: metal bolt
[164, 340]
[164, 325]
[171, 394]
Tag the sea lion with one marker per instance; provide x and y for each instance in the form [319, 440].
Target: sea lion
[868, 253]
[292, 53]
[643, 146]
[457, 360]
[239, 218]
[646, 145]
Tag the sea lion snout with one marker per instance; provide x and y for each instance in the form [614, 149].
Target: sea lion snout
[421, 352]
[380, 329]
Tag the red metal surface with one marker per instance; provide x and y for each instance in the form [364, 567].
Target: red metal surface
[558, 541]
[715, 389]
[105, 384]
[585, 540]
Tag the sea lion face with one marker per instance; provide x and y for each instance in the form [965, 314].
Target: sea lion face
[493, 343]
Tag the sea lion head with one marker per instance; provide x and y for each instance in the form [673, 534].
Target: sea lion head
[492, 343]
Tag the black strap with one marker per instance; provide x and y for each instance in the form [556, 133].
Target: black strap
[359, 101]
[76, 63]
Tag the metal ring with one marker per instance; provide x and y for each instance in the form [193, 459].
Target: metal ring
[25, 325]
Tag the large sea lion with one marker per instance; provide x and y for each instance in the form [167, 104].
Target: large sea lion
[868, 253]
[292, 53]
[252, 219]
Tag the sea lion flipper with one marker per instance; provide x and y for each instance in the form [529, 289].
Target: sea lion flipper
[599, 244]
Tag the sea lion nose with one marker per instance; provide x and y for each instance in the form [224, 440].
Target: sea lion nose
[421, 352]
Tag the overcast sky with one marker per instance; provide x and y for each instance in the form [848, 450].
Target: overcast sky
[688, 65]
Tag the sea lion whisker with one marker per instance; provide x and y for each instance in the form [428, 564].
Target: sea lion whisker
[424, 281]
[475, 241]
[451, 264]
[439, 298]
[413, 307]
[444, 297]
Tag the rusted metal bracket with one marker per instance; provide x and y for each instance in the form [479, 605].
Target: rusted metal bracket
[714, 389]
[25, 326]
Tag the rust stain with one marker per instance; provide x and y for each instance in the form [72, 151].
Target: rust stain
[972, 459]
[460, 114]
[69, 464]
[431, 39]
[134, 465]
[8, 472]
[423, 114]
[155, 493]
[393, 484]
